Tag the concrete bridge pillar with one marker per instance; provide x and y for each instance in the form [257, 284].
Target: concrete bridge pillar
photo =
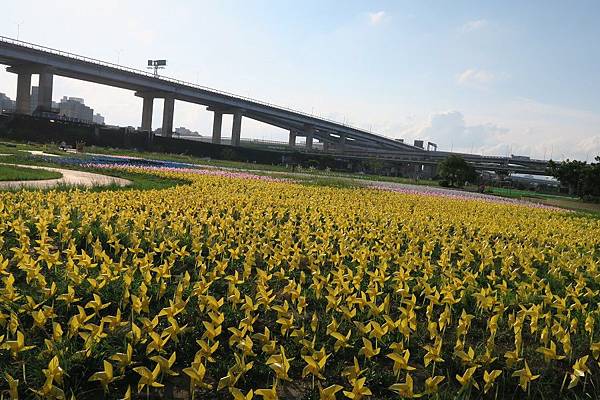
[342, 143]
[147, 109]
[23, 93]
[309, 132]
[168, 110]
[217, 125]
[236, 129]
[46, 83]
[292, 139]
[325, 146]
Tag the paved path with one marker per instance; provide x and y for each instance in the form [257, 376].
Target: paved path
[39, 153]
[69, 177]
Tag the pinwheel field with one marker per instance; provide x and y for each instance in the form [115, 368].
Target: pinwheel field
[241, 287]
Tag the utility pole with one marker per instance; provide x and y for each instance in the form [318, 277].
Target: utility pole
[119, 55]
[19, 23]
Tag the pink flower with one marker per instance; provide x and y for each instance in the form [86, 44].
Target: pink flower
[456, 194]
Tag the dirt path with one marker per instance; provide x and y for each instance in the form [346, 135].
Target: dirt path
[69, 178]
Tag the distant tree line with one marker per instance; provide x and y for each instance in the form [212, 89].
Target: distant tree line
[579, 177]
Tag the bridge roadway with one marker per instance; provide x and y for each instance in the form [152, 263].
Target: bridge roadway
[25, 59]
[432, 158]
[428, 159]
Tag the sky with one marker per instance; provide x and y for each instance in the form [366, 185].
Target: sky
[500, 78]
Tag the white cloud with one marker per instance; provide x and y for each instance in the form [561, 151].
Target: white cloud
[475, 77]
[450, 128]
[376, 18]
[538, 136]
[475, 25]
[590, 147]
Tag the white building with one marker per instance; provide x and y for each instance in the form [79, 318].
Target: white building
[98, 119]
[74, 107]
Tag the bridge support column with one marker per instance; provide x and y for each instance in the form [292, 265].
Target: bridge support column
[292, 139]
[147, 109]
[23, 93]
[236, 129]
[309, 132]
[342, 143]
[168, 110]
[217, 125]
[46, 83]
[325, 146]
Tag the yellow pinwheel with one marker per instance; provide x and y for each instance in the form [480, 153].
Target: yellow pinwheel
[16, 346]
[196, 374]
[97, 305]
[165, 364]
[404, 389]
[238, 395]
[148, 378]
[549, 353]
[580, 369]
[400, 362]
[280, 364]
[489, 378]
[105, 377]
[268, 394]
[314, 365]
[341, 341]
[329, 392]
[123, 359]
[367, 350]
[466, 379]
[359, 390]
[525, 376]
[206, 350]
[158, 343]
[432, 383]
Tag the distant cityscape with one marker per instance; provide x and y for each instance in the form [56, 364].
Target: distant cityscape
[71, 107]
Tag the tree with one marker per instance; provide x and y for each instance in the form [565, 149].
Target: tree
[580, 178]
[455, 171]
[570, 174]
[592, 180]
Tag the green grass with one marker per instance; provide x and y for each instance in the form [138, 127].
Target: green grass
[15, 173]
[567, 202]
[140, 181]
[518, 193]
[589, 209]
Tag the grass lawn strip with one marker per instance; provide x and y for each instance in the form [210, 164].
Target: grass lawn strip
[15, 173]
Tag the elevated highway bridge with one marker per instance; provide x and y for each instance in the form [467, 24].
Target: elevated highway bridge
[26, 59]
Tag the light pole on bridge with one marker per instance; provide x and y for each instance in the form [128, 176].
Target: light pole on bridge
[19, 23]
[119, 55]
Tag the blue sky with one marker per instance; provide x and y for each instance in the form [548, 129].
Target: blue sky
[488, 77]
